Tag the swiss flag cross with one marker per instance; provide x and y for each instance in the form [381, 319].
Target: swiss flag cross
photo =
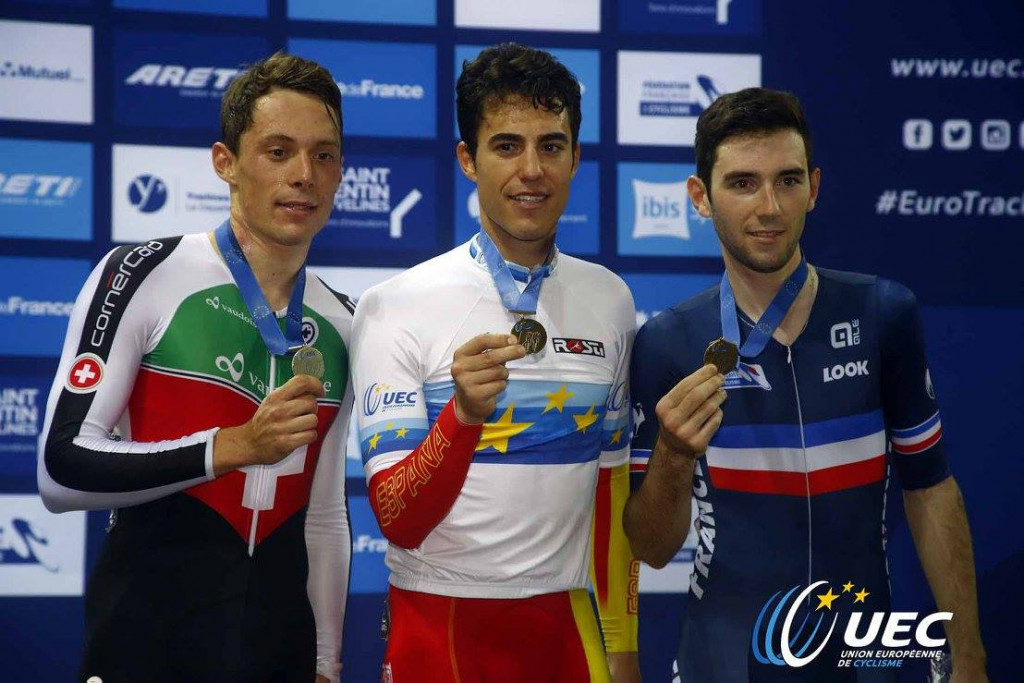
[85, 373]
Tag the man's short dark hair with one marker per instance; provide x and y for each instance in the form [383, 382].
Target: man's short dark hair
[277, 72]
[753, 111]
[512, 70]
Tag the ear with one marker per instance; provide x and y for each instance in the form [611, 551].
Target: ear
[224, 162]
[815, 184]
[575, 159]
[699, 196]
[466, 161]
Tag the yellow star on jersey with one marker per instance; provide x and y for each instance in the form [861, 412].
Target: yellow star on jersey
[400, 433]
[496, 435]
[616, 436]
[374, 440]
[585, 420]
[557, 399]
[859, 597]
[826, 599]
[848, 586]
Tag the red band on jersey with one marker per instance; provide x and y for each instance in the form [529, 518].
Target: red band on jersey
[412, 496]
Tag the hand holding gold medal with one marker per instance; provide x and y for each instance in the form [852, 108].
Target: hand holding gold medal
[722, 354]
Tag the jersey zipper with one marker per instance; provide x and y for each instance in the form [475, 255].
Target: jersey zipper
[261, 481]
[807, 475]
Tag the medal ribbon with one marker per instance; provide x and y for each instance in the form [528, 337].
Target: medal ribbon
[770, 319]
[278, 343]
[525, 302]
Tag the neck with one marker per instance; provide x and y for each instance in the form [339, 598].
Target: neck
[275, 266]
[754, 291]
[527, 254]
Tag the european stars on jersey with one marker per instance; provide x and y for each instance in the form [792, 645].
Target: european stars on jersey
[522, 523]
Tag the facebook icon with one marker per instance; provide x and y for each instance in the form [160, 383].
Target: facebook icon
[917, 134]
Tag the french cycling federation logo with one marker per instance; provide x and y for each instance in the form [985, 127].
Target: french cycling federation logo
[747, 376]
[85, 374]
[147, 193]
[793, 631]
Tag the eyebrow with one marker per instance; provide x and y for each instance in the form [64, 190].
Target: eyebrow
[281, 137]
[513, 137]
[736, 175]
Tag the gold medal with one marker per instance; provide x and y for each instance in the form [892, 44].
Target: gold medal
[722, 354]
[308, 361]
[530, 334]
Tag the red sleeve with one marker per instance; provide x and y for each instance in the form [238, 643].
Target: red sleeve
[412, 496]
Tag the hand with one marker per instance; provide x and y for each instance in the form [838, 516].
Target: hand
[478, 368]
[690, 413]
[624, 667]
[285, 421]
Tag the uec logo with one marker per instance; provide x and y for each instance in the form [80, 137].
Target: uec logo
[786, 648]
[377, 395]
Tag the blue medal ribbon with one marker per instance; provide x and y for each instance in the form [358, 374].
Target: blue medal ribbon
[524, 303]
[278, 343]
[770, 319]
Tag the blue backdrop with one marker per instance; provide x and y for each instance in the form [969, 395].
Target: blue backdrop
[108, 108]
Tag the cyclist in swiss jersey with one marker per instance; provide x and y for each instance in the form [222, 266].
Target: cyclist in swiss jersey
[775, 404]
[203, 396]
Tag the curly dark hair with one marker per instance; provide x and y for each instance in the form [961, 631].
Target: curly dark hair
[510, 70]
[277, 72]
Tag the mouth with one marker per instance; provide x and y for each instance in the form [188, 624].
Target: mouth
[299, 208]
[529, 199]
[766, 236]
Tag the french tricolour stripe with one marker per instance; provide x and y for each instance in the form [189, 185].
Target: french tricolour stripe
[919, 438]
[835, 455]
[638, 459]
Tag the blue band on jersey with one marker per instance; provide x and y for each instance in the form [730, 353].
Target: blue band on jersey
[278, 343]
[770, 319]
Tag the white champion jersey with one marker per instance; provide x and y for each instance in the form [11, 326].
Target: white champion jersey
[521, 525]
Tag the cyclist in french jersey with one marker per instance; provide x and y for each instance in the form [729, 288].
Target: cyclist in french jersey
[176, 406]
[786, 452]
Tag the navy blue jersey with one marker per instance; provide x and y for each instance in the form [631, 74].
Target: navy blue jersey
[793, 485]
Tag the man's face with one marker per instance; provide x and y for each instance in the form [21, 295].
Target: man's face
[525, 160]
[761, 191]
[287, 169]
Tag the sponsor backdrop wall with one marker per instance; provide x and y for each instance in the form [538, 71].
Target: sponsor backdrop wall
[108, 109]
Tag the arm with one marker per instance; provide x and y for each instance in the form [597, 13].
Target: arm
[657, 514]
[329, 546]
[81, 467]
[938, 523]
[934, 507]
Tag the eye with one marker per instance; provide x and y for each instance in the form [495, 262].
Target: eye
[276, 152]
[791, 181]
[741, 184]
[553, 147]
[325, 156]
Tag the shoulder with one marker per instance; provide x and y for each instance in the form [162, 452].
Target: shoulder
[893, 298]
[598, 284]
[700, 310]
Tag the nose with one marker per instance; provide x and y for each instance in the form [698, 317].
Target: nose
[529, 165]
[769, 203]
[301, 171]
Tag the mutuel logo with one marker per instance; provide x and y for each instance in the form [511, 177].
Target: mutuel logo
[793, 631]
[147, 193]
[585, 347]
[381, 397]
[37, 72]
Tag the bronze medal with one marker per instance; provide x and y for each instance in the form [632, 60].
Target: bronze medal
[722, 354]
[308, 361]
[531, 334]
